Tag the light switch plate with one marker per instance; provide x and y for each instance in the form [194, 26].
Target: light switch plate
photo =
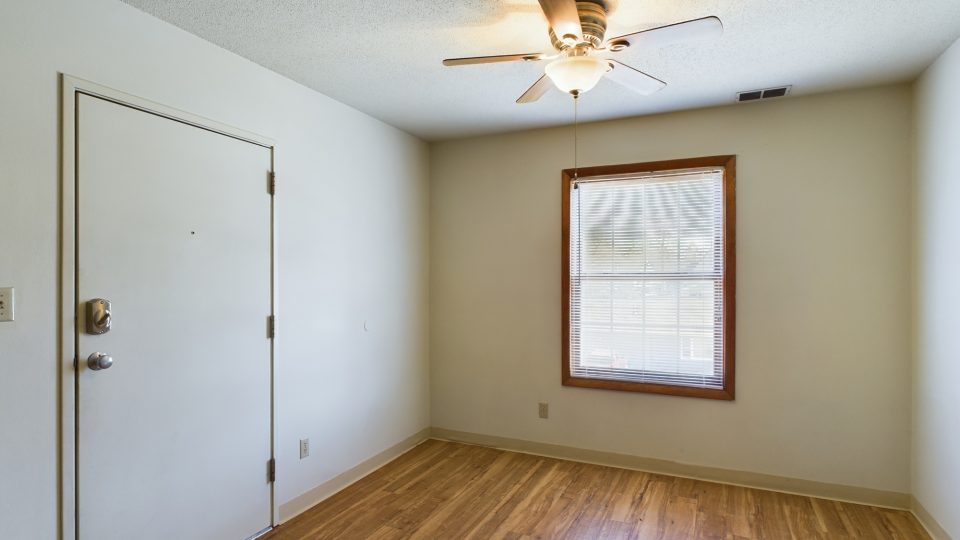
[544, 410]
[6, 304]
[304, 448]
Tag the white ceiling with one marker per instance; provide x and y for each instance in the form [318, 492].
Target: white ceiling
[383, 56]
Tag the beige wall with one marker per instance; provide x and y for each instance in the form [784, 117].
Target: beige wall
[823, 350]
[352, 243]
[823, 354]
[936, 442]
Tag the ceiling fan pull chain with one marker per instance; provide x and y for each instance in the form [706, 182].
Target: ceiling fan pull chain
[576, 157]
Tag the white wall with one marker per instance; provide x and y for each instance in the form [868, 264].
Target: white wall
[353, 213]
[936, 399]
[823, 349]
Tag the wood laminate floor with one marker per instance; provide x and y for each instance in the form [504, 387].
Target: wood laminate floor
[444, 490]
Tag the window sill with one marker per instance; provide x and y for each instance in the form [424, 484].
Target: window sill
[726, 394]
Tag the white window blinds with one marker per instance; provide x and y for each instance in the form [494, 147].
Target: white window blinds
[646, 278]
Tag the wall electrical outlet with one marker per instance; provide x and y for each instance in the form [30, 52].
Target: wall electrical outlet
[544, 410]
[6, 304]
[304, 448]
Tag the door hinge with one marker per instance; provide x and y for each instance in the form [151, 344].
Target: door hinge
[272, 469]
[272, 326]
[272, 186]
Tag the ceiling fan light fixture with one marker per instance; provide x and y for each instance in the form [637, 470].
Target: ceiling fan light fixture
[576, 74]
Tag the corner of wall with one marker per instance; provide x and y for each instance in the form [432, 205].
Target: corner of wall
[934, 461]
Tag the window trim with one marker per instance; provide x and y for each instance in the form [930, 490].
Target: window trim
[729, 164]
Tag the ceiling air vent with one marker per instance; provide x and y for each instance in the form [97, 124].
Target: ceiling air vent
[767, 93]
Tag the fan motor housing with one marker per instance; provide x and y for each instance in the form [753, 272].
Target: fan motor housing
[593, 23]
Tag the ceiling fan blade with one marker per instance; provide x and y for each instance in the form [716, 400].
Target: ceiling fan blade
[634, 79]
[491, 59]
[564, 19]
[535, 92]
[707, 27]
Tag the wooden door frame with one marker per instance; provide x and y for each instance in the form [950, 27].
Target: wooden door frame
[68, 309]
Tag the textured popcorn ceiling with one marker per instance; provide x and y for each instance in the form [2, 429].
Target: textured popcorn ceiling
[383, 56]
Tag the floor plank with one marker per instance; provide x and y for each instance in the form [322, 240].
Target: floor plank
[445, 490]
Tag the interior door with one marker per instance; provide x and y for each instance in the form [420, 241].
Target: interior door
[174, 230]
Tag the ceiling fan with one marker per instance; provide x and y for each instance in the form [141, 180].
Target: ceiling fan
[582, 57]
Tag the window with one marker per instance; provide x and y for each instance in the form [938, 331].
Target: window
[648, 277]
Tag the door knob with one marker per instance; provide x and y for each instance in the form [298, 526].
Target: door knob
[98, 361]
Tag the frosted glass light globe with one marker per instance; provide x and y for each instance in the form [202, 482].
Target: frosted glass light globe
[576, 74]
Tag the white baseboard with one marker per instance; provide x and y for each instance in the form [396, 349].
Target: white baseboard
[839, 492]
[927, 520]
[316, 495]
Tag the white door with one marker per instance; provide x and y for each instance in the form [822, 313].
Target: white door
[174, 230]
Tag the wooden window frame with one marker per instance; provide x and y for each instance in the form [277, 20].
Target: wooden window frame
[729, 164]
